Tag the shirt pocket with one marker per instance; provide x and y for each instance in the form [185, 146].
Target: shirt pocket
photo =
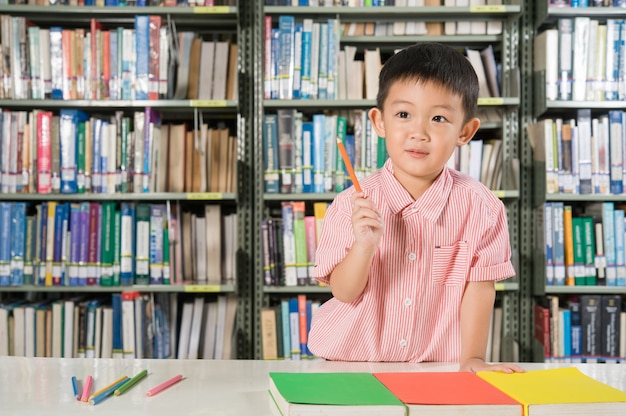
[450, 264]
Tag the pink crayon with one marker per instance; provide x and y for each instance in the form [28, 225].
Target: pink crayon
[164, 385]
[86, 389]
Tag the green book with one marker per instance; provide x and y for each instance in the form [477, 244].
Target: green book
[579, 251]
[107, 242]
[332, 394]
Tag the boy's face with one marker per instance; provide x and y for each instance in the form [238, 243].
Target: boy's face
[422, 124]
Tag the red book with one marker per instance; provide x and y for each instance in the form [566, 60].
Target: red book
[449, 393]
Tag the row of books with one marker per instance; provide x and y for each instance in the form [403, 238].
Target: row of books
[123, 3]
[586, 3]
[589, 328]
[303, 60]
[589, 65]
[126, 325]
[288, 244]
[583, 246]
[99, 244]
[480, 159]
[285, 328]
[148, 62]
[73, 152]
[555, 391]
[302, 156]
[582, 155]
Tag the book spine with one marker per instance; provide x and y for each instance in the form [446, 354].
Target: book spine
[75, 244]
[5, 244]
[289, 245]
[156, 244]
[142, 39]
[18, 241]
[83, 249]
[299, 232]
[142, 244]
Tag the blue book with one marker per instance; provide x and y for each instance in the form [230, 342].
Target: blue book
[620, 261]
[305, 57]
[18, 242]
[57, 257]
[113, 61]
[567, 334]
[5, 243]
[575, 331]
[559, 243]
[333, 60]
[286, 335]
[142, 56]
[294, 329]
[275, 72]
[286, 27]
[68, 126]
[116, 303]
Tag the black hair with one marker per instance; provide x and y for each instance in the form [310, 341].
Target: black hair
[431, 62]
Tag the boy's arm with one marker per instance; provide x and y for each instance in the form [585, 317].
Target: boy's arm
[349, 278]
[476, 310]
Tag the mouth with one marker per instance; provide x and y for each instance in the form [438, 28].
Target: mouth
[416, 153]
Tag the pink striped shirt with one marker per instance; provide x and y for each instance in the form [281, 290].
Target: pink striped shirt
[409, 311]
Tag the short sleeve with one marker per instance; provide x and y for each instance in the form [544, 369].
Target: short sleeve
[492, 257]
[336, 237]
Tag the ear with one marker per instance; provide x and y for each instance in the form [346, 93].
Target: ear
[376, 117]
[469, 130]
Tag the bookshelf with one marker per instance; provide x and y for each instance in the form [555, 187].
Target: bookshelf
[211, 23]
[506, 128]
[594, 105]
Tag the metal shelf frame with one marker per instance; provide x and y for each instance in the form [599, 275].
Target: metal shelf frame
[513, 105]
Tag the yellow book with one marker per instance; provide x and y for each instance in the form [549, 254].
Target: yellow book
[559, 392]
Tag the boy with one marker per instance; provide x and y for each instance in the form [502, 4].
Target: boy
[413, 279]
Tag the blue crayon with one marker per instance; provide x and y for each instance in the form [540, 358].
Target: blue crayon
[75, 387]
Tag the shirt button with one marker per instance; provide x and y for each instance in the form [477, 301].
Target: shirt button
[414, 209]
[412, 256]
[403, 343]
[408, 302]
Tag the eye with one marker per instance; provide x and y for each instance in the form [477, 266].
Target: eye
[402, 114]
[440, 119]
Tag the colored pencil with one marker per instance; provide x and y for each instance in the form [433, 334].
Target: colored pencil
[75, 387]
[164, 385]
[97, 399]
[346, 161]
[86, 389]
[102, 390]
[131, 382]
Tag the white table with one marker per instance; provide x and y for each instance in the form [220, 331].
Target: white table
[42, 386]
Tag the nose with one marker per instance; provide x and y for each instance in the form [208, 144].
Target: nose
[419, 131]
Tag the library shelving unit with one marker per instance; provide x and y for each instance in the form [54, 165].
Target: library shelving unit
[545, 107]
[505, 45]
[236, 23]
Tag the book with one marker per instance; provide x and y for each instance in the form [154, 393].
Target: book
[331, 394]
[449, 393]
[559, 392]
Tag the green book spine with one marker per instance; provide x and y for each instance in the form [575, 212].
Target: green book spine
[80, 158]
[589, 243]
[117, 235]
[106, 277]
[579, 251]
[166, 254]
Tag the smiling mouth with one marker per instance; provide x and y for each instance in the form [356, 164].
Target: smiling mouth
[418, 153]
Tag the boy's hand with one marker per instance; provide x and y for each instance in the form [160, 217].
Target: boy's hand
[366, 221]
[476, 364]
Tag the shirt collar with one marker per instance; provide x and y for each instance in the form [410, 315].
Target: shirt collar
[430, 204]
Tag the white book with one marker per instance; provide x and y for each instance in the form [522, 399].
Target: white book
[580, 56]
[196, 327]
[213, 247]
[546, 60]
[478, 27]
[207, 59]
[98, 332]
[592, 41]
[19, 331]
[200, 248]
[128, 327]
[220, 71]
[475, 158]
[477, 63]
[210, 324]
[494, 27]
[68, 329]
[58, 309]
[185, 330]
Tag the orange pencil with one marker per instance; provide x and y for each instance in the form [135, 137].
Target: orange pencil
[346, 161]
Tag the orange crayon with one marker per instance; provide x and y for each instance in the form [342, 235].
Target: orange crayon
[346, 161]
